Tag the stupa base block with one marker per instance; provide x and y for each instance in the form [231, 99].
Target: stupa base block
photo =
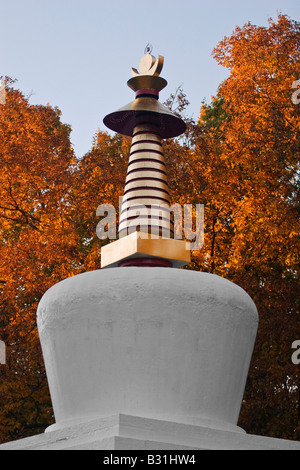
[132, 433]
[139, 244]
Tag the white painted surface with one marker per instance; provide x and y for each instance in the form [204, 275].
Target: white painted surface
[124, 432]
[153, 342]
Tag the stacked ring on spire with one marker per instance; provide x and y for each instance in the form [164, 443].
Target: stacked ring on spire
[146, 199]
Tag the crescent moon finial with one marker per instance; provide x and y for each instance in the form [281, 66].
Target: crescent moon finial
[149, 65]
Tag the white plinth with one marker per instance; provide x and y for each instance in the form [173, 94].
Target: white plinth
[124, 432]
[167, 344]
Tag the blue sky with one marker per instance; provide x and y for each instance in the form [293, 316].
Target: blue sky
[78, 54]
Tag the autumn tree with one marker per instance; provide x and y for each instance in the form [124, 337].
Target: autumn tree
[247, 170]
[100, 180]
[37, 249]
[242, 163]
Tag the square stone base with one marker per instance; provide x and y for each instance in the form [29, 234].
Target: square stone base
[139, 244]
[125, 432]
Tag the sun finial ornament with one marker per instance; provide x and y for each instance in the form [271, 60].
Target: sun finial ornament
[148, 48]
[149, 65]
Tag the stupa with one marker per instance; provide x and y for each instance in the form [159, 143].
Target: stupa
[142, 354]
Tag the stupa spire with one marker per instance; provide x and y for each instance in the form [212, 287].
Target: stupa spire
[146, 229]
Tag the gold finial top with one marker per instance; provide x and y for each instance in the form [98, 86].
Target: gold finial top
[148, 74]
[149, 65]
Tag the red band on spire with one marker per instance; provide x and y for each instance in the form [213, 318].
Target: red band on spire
[146, 262]
[147, 91]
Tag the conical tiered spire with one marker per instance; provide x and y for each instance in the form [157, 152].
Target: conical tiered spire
[146, 193]
[145, 212]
